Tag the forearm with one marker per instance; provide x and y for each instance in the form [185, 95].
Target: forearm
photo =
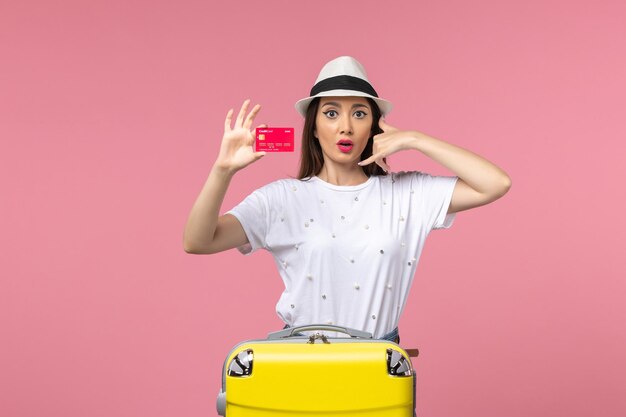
[480, 174]
[202, 220]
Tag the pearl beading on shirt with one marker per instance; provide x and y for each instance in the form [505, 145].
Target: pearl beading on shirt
[357, 286]
[350, 219]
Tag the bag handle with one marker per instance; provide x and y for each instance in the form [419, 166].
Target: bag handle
[289, 332]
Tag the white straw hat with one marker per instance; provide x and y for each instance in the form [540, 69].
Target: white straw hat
[343, 76]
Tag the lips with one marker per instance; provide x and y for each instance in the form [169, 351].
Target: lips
[345, 145]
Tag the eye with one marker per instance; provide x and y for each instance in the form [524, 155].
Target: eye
[331, 114]
[360, 114]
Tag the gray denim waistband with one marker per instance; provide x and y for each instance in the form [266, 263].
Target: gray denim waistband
[392, 336]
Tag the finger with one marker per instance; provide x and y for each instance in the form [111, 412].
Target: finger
[258, 155]
[251, 139]
[382, 124]
[253, 134]
[261, 126]
[251, 116]
[367, 161]
[242, 112]
[228, 121]
[382, 136]
[385, 126]
[381, 163]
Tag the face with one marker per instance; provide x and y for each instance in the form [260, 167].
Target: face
[343, 126]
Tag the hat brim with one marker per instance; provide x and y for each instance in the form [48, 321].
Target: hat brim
[302, 105]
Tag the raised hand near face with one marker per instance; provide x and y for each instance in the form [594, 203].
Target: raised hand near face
[392, 140]
[236, 150]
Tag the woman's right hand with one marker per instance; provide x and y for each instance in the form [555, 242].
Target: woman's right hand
[236, 150]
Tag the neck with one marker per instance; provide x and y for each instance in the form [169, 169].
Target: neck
[342, 176]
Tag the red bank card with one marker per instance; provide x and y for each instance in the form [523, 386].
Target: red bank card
[274, 139]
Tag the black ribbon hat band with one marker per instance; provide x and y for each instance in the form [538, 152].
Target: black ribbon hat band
[343, 76]
[343, 82]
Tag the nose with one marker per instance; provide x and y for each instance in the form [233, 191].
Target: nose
[345, 125]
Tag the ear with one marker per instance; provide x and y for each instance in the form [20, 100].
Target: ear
[315, 133]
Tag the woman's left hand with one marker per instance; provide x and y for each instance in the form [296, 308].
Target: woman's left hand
[392, 140]
[480, 181]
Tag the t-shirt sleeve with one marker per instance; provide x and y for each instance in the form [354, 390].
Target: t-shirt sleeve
[253, 214]
[436, 197]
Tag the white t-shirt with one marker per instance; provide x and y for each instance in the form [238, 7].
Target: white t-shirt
[347, 254]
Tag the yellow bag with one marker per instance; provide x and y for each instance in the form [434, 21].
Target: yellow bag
[291, 374]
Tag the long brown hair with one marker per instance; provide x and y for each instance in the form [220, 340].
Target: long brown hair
[312, 159]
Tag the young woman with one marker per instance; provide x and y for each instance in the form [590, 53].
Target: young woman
[348, 233]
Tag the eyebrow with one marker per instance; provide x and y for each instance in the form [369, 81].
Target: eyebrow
[334, 103]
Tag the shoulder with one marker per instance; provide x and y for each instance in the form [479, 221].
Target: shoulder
[418, 177]
[401, 177]
[276, 185]
[422, 183]
[404, 175]
[282, 187]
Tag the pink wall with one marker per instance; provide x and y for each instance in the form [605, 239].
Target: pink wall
[111, 114]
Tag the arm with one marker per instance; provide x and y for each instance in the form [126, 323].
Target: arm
[207, 232]
[480, 181]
